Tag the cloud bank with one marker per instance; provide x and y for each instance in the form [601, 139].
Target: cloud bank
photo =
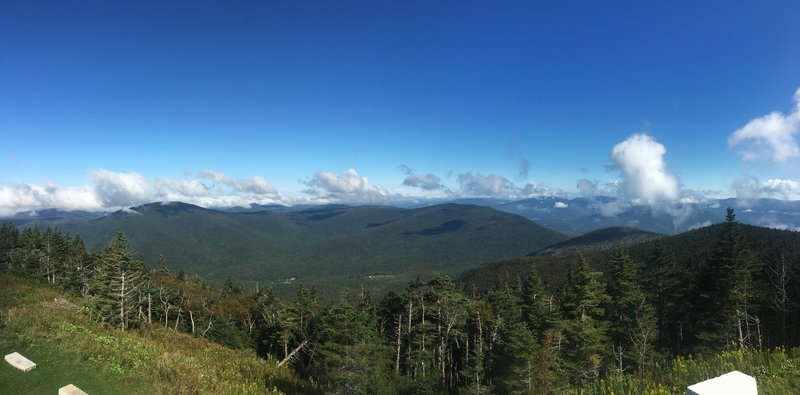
[772, 137]
[110, 191]
[750, 188]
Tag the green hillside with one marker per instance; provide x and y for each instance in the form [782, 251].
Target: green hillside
[380, 246]
[690, 248]
[48, 327]
[600, 240]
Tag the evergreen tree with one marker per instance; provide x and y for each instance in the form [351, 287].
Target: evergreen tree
[630, 316]
[118, 277]
[728, 289]
[9, 239]
[583, 325]
[538, 306]
[351, 356]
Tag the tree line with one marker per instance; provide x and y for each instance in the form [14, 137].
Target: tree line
[522, 336]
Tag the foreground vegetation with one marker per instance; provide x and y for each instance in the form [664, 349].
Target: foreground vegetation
[47, 326]
[631, 328]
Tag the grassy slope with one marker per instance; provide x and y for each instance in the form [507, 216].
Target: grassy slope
[68, 348]
[776, 372]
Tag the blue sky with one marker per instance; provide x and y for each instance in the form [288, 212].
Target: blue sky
[106, 104]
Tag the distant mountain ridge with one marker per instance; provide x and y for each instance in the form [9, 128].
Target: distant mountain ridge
[324, 244]
[574, 216]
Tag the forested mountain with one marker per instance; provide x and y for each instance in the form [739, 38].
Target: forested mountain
[599, 240]
[372, 245]
[574, 216]
[615, 320]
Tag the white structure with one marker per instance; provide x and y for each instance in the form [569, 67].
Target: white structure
[18, 361]
[733, 383]
[70, 390]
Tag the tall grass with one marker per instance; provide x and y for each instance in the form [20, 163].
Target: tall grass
[43, 323]
[776, 371]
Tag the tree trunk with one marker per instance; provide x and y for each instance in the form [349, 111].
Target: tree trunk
[122, 303]
[399, 319]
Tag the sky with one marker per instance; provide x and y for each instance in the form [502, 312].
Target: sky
[111, 104]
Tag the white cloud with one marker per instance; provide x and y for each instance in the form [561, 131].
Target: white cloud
[785, 188]
[121, 189]
[29, 197]
[428, 182]
[110, 191]
[533, 189]
[586, 187]
[193, 188]
[560, 205]
[772, 136]
[611, 208]
[646, 179]
[750, 188]
[257, 186]
[347, 186]
[700, 225]
[484, 185]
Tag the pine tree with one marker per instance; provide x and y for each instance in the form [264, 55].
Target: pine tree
[9, 239]
[728, 289]
[118, 277]
[538, 306]
[351, 356]
[630, 316]
[584, 327]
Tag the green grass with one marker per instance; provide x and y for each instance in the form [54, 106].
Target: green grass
[776, 372]
[69, 349]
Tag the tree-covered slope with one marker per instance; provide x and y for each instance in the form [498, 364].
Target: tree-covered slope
[333, 243]
[600, 240]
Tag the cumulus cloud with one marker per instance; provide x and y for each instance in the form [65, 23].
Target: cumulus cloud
[646, 179]
[484, 185]
[586, 187]
[347, 185]
[750, 188]
[28, 197]
[428, 182]
[111, 191]
[121, 189]
[560, 205]
[772, 136]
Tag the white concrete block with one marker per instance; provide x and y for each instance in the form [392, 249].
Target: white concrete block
[18, 361]
[733, 383]
[70, 390]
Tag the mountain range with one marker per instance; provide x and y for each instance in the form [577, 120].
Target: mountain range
[385, 246]
[325, 244]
